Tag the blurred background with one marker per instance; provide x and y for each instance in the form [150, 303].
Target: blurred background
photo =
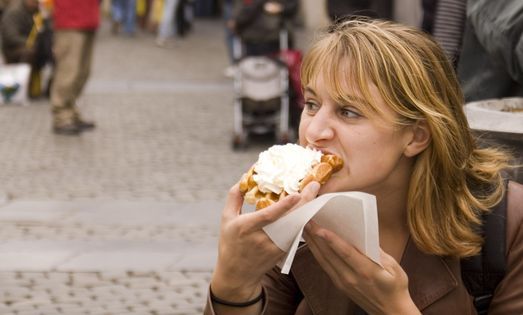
[123, 124]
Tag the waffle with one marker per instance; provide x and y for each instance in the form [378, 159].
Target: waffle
[321, 172]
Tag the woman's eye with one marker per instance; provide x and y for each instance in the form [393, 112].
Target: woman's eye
[349, 113]
[311, 107]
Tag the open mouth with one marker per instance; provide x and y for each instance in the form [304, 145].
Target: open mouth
[322, 150]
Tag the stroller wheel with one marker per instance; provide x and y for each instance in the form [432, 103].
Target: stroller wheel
[239, 142]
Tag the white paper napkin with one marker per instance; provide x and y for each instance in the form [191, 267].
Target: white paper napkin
[351, 215]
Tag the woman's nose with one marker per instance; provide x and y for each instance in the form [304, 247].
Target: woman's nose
[319, 127]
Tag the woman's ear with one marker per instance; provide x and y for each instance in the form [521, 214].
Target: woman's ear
[420, 139]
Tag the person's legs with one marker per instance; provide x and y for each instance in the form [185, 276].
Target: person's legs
[35, 82]
[130, 17]
[117, 14]
[229, 36]
[86, 55]
[83, 76]
[143, 20]
[68, 46]
[166, 25]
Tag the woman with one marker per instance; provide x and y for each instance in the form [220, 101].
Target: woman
[384, 98]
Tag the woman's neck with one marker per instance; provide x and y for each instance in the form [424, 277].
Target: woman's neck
[392, 214]
[392, 211]
[391, 198]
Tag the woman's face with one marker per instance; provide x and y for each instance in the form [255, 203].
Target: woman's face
[372, 148]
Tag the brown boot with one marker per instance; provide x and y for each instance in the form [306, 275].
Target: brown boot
[85, 125]
[67, 130]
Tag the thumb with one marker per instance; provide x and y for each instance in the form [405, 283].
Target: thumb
[234, 202]
[309, 192]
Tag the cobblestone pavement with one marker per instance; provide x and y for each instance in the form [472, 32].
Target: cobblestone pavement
[106, 257]
[166, 147]
[124, 219]
[164, 125]
[31, 293]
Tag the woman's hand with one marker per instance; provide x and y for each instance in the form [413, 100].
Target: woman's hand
[375, 289]
[245, 252]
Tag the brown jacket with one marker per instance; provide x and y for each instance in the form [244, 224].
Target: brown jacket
[434, 282]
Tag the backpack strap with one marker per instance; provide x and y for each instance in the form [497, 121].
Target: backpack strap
[482, 273]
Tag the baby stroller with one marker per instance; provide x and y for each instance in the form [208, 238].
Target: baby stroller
[261, 103]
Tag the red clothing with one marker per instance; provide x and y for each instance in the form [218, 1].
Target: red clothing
[76, 14]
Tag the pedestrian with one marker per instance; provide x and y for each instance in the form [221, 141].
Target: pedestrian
[445, 20]
[24, 41]
[16, 25]
[340, 9]
[75, 25]
[491, 63]
[258, 23]
[3, 6]
[168, 25]
[123, 12]
[184, 17]
[227, 7]
[144, 13]
[385, 99]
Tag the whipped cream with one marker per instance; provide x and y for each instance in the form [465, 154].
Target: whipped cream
[282, 167]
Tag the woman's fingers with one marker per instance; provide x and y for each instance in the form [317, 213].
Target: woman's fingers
[345, 251]
[275, 211]
[346, 261]
[319, 236]
[259, 219]
[324, 255]
[366, 283]
[391, 265]
[309, 192]
[234, 202]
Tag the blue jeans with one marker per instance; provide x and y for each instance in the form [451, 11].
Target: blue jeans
[124, 12]
[227, 14]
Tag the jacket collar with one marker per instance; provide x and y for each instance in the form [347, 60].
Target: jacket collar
[430, 279]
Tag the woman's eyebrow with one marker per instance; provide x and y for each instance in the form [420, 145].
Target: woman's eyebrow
[309, 90]
[353, 99]
[356, 100]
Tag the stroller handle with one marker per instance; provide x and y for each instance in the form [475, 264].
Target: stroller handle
[237, 45]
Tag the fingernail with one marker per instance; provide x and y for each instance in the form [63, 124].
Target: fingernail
[314, 186]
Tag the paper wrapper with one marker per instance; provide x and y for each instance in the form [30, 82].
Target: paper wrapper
[351, 215]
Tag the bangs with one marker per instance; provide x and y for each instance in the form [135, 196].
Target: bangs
[358, 55]
[341, 65]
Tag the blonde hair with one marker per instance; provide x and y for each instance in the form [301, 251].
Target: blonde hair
[454, 181]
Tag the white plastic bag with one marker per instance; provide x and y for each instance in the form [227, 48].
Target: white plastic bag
[14, 81]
